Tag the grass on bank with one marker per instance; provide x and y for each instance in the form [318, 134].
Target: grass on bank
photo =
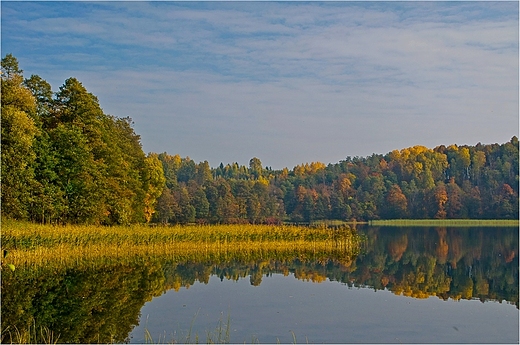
[35, 244]
[32, 335]
[446, 222]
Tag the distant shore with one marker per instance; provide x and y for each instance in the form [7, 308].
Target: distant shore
[445, 222]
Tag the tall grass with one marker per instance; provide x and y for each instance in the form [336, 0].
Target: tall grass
[34, 244]
[31, 335]
[446, 222]
[35, 249]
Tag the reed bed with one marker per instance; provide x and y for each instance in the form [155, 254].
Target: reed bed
[447, 222]
[34, 244]
[31, 335]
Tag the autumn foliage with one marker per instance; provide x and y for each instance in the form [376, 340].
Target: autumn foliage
[466, 182]
[65, 161]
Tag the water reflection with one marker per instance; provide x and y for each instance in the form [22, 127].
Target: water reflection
[96, 303]
[100, 301]
[445, 262]
[454, 263]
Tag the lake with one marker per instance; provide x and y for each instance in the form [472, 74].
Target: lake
[407, 285]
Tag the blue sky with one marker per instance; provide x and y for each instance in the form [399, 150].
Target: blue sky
[287, 82]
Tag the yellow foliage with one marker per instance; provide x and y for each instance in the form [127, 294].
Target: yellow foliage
[177, 160]
[453, 147]
[309, 169]
[263, 180]
[299, 170]
[155, 181]
[417, 168]
[465, 157]
[418, 149]
[344, 184]
[15, 95]
[316, 166]
[395, 155]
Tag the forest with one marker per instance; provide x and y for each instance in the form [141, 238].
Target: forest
[65, 161]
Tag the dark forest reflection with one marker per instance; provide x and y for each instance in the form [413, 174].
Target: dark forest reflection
[101, 301]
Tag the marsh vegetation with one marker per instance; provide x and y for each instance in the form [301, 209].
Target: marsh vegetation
[88, 284]
[33, 244]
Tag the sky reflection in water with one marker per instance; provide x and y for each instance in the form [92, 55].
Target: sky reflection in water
[448, 268]
[329, 312]
[271, 294]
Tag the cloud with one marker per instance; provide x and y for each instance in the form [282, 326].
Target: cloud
[286, 82]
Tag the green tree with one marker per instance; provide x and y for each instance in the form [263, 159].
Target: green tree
[187, 212]
[154, 183]
[203, 173]
[255, 167]
[10, 67]
[18, 132]
[42, 92]
[171, 165]
[478, 161]
[166, 207]
[18, 137]
[64, 160]
[77, 176]
[201, 205]
[187, 171]
[125, 168]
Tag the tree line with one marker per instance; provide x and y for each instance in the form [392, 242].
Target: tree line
[64, 160]
[475, 182]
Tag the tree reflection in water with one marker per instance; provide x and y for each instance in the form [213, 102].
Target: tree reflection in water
[93, 302]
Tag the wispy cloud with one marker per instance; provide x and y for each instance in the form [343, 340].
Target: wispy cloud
[287, 82]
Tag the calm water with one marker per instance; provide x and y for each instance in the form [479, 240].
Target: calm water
[328, 312]
[409, 285]
[456, 275]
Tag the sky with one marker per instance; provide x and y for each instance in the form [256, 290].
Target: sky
[286, 82]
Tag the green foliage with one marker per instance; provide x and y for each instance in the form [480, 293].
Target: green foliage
[65, 161]
[18, 137]
[96, 303]
[10, 67]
